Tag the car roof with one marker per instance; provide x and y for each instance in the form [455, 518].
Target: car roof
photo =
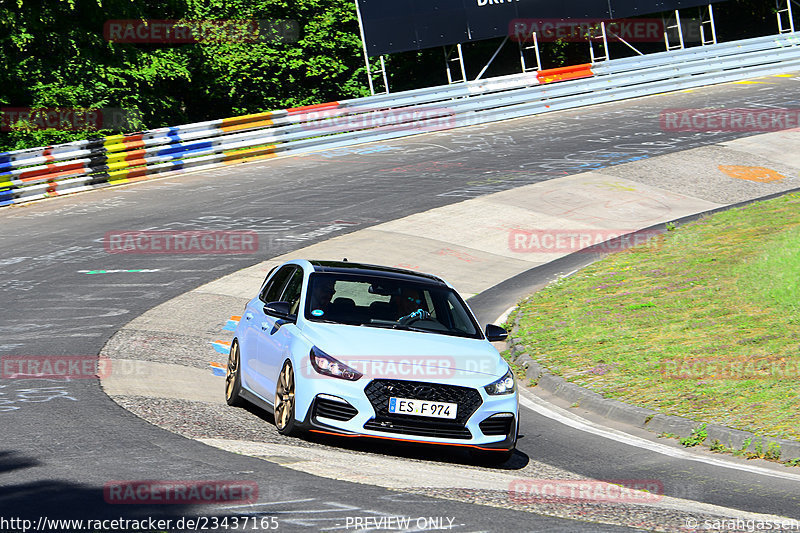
[346, 267]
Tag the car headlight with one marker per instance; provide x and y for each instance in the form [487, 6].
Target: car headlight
[504, 385]
[330, 366]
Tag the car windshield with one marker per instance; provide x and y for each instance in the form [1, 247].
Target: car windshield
[385, 302]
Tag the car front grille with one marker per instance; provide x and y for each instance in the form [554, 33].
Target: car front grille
[380, 390]
[497, 425]
[335, 410]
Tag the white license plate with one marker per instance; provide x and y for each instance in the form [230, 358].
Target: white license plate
[406, 406]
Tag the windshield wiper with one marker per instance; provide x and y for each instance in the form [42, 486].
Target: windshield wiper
[402, 327]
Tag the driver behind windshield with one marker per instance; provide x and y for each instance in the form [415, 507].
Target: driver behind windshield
[322, 294]
[410, 305]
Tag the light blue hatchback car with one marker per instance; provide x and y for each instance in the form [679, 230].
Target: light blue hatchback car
[359, 350]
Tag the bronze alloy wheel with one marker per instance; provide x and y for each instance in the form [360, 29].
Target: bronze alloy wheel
[284, 401]
[233, 378]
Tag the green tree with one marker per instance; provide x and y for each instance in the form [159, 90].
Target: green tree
[55, 55]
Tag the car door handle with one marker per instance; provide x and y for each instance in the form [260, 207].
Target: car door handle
[248, 316]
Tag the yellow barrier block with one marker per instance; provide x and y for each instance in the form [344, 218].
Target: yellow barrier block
[250, 154]
[247, 125]
[255, 117]
[112, 139]
[117, 147]
[251, 158]
[113, 158]
[124, 164]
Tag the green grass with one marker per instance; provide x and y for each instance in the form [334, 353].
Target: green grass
[701, 322]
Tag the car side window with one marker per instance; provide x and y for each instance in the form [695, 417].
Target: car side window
[459, 319]
[274, 287]
[293, 289]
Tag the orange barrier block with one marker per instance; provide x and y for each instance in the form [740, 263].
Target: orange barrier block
[51, 169]
[573, 72]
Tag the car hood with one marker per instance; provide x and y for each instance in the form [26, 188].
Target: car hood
[398, 354]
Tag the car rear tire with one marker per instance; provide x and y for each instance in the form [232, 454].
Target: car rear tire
[233, 377]
[284, 401]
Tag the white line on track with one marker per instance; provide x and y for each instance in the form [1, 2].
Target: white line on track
[243, 506]
[534, 403]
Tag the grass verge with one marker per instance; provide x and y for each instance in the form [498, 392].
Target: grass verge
[701, 322]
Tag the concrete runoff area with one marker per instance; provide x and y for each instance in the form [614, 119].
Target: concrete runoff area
[472, 245]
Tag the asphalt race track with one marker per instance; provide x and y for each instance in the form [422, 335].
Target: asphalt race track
[64, 294]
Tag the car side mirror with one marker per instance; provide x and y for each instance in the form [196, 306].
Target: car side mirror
[279, 310]
[495, 333]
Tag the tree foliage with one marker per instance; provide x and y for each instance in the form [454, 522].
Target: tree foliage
[55, 54]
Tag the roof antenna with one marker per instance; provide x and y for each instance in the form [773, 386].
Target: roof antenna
[344, 260]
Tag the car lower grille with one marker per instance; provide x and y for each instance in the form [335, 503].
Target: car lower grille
[333, 409]
[421, 428]
[497, 425]
[380, 390]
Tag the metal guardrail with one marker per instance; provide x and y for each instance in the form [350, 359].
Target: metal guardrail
[37, 173]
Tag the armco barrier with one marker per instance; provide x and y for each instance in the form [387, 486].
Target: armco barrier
[37, 173]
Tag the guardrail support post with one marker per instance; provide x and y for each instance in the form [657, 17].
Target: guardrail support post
[382, 70]
[447, 60]
[591, 36]
[535, 48]
[788, 11]
[711, 24]
[677, 26]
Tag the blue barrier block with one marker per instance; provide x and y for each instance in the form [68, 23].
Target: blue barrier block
[183, 148]
[174, 133]
[6, 194]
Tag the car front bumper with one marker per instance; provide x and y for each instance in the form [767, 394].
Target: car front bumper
[340, 408]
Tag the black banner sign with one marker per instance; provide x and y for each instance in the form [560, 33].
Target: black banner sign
[401, 25]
